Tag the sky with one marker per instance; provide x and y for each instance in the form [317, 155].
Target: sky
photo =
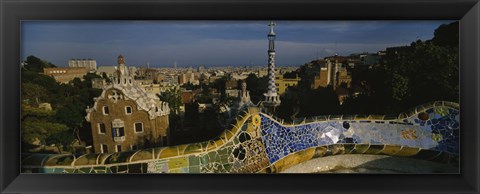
[213, 43]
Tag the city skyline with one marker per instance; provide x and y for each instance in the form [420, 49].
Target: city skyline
[213, 43]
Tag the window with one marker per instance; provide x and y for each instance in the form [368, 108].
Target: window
[101, 128]
[118, 132]
[103, 148]
[105, 110]
[138, 127]
[118, 148]
[133, 147]
[128, 110]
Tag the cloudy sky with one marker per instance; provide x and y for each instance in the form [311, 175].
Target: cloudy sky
[193, 43]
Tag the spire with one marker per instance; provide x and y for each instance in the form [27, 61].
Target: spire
[122, 71]
[121, 59]
[271, 38]
[271, 28]
[271, 98]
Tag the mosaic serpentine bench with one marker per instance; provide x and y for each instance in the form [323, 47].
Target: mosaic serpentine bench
[259, 143]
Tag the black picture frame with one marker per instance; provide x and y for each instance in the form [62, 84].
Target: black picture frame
[14, 11]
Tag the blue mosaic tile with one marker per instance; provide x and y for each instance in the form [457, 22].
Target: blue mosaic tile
[283, 140]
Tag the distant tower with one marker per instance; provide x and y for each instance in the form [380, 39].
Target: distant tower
[122, 76]
[272, 99]
[175, 64]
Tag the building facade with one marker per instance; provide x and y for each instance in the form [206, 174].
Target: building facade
[125, 118]
[90, 64]
[65, 74]
[283, 83]
[332, 72]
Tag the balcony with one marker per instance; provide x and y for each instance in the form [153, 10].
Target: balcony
[119, 139]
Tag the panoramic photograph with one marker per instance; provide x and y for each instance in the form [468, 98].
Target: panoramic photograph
[254, 96]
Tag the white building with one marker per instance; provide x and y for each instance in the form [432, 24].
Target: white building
[90, 64]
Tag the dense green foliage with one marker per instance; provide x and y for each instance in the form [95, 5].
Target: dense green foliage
[407, 76]
[65, 122]
[37, 65]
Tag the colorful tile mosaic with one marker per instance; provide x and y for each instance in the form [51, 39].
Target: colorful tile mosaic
[259, 143]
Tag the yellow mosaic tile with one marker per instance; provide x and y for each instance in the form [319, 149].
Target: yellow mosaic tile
[178, 163]
[376, 117]
[374, 149]
[168, 152]
[211, 145]
[409, 134]
[320, 151]
[407, 151]
[193, 148]
[391, 149]
[142, 155]
[336, 149]
[360, 148]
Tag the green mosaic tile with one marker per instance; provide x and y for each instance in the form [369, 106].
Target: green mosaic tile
[227, 166]
[194, 169]
[113, 169]
[99, 168]
[348, 148]
[69, 170]
[47, 170]
[58, 170]
[85, 170]
[214, 157]
[224, 159]
[235, 140]
[194, 161]
[223, 151]
[204, 160]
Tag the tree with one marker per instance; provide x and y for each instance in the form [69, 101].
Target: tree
[173, 98]
[37, 65]
[447, 35]
[321, 101]
[257, 87]
[37, 124]
[60, 139]
[424, 72]
[400, 89]
[72, 116]
[34, 94]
